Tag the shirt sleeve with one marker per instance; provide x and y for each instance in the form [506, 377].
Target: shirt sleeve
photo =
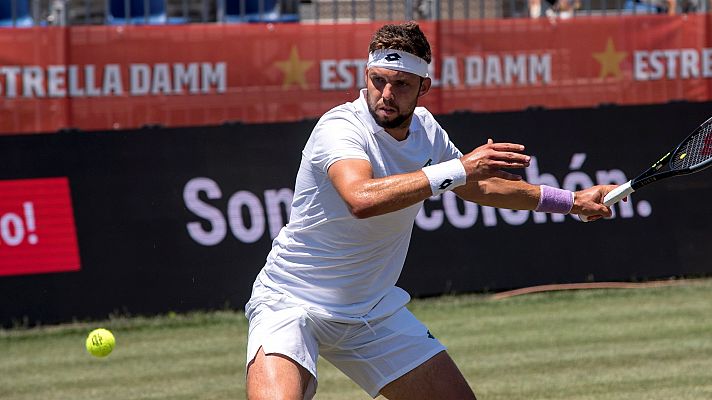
[334, 140]
[448, 149]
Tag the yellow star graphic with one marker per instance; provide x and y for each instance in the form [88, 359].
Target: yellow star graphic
[610, 60]
[294, 69]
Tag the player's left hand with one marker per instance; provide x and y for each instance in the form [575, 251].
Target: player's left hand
[589, 202]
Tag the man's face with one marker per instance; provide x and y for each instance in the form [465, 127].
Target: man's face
[392, 96]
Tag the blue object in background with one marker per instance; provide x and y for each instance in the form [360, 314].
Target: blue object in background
[22, 17]
[256, 11]
[137, 12]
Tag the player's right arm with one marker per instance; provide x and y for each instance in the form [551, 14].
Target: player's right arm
[505, 190]
[520, 195]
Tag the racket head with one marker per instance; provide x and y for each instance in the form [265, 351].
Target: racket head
[695, 152]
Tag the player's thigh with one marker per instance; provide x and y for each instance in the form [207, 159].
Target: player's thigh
[282, 350]
[274, 376]
[437, 378]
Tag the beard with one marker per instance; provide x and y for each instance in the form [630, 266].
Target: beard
[396, 122]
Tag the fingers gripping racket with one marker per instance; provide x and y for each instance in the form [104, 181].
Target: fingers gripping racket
[692, 155]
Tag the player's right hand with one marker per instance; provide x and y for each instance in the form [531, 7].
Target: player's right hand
[490, 160]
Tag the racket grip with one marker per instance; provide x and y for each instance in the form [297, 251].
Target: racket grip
[614, 196]
[617, 194]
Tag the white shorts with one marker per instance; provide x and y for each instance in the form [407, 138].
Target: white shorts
[372, 353]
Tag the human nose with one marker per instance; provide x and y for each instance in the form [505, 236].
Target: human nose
[387, 92]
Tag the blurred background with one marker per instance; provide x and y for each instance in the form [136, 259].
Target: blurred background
[97, 12]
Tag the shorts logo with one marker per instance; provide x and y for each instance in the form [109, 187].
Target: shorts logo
[445, 184]
[392, 57]
[430, 335]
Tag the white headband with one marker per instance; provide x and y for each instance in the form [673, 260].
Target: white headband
[398, 60]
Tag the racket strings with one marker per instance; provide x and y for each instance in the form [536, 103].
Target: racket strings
[696, 150]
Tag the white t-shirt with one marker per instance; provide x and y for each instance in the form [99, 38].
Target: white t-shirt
[339, 266]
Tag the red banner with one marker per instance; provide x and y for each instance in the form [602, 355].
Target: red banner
[114, 77]
[37, 232]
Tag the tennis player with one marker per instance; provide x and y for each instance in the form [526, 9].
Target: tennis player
[328, 285]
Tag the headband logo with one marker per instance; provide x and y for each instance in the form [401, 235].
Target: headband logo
[398, 60]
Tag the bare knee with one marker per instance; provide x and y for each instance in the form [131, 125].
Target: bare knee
[277, 377]
[437, 378]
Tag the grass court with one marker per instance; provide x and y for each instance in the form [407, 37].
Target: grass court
[613, 344]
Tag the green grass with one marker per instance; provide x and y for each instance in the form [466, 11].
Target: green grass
[598, 344]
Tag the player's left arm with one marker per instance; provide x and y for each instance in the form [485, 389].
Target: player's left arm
[521, 195]
[366, 196]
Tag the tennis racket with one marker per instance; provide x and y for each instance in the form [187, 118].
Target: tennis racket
[692, 155]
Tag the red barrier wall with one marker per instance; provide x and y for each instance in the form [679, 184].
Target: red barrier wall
[116, 77]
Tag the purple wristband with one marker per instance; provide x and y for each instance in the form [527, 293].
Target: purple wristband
[555, 200]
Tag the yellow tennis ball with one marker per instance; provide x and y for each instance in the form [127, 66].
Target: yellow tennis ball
[100, 342]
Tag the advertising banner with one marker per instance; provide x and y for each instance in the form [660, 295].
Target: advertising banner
[37, 232]
[119, 77]
[182, 219]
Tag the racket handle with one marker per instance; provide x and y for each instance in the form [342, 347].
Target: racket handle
[617, 194]
[614, 196]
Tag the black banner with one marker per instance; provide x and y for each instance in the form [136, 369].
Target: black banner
[182, 219]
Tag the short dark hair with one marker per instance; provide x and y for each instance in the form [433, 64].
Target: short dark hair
[405, 37]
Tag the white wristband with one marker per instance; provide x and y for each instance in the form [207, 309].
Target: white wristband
[445, 176]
